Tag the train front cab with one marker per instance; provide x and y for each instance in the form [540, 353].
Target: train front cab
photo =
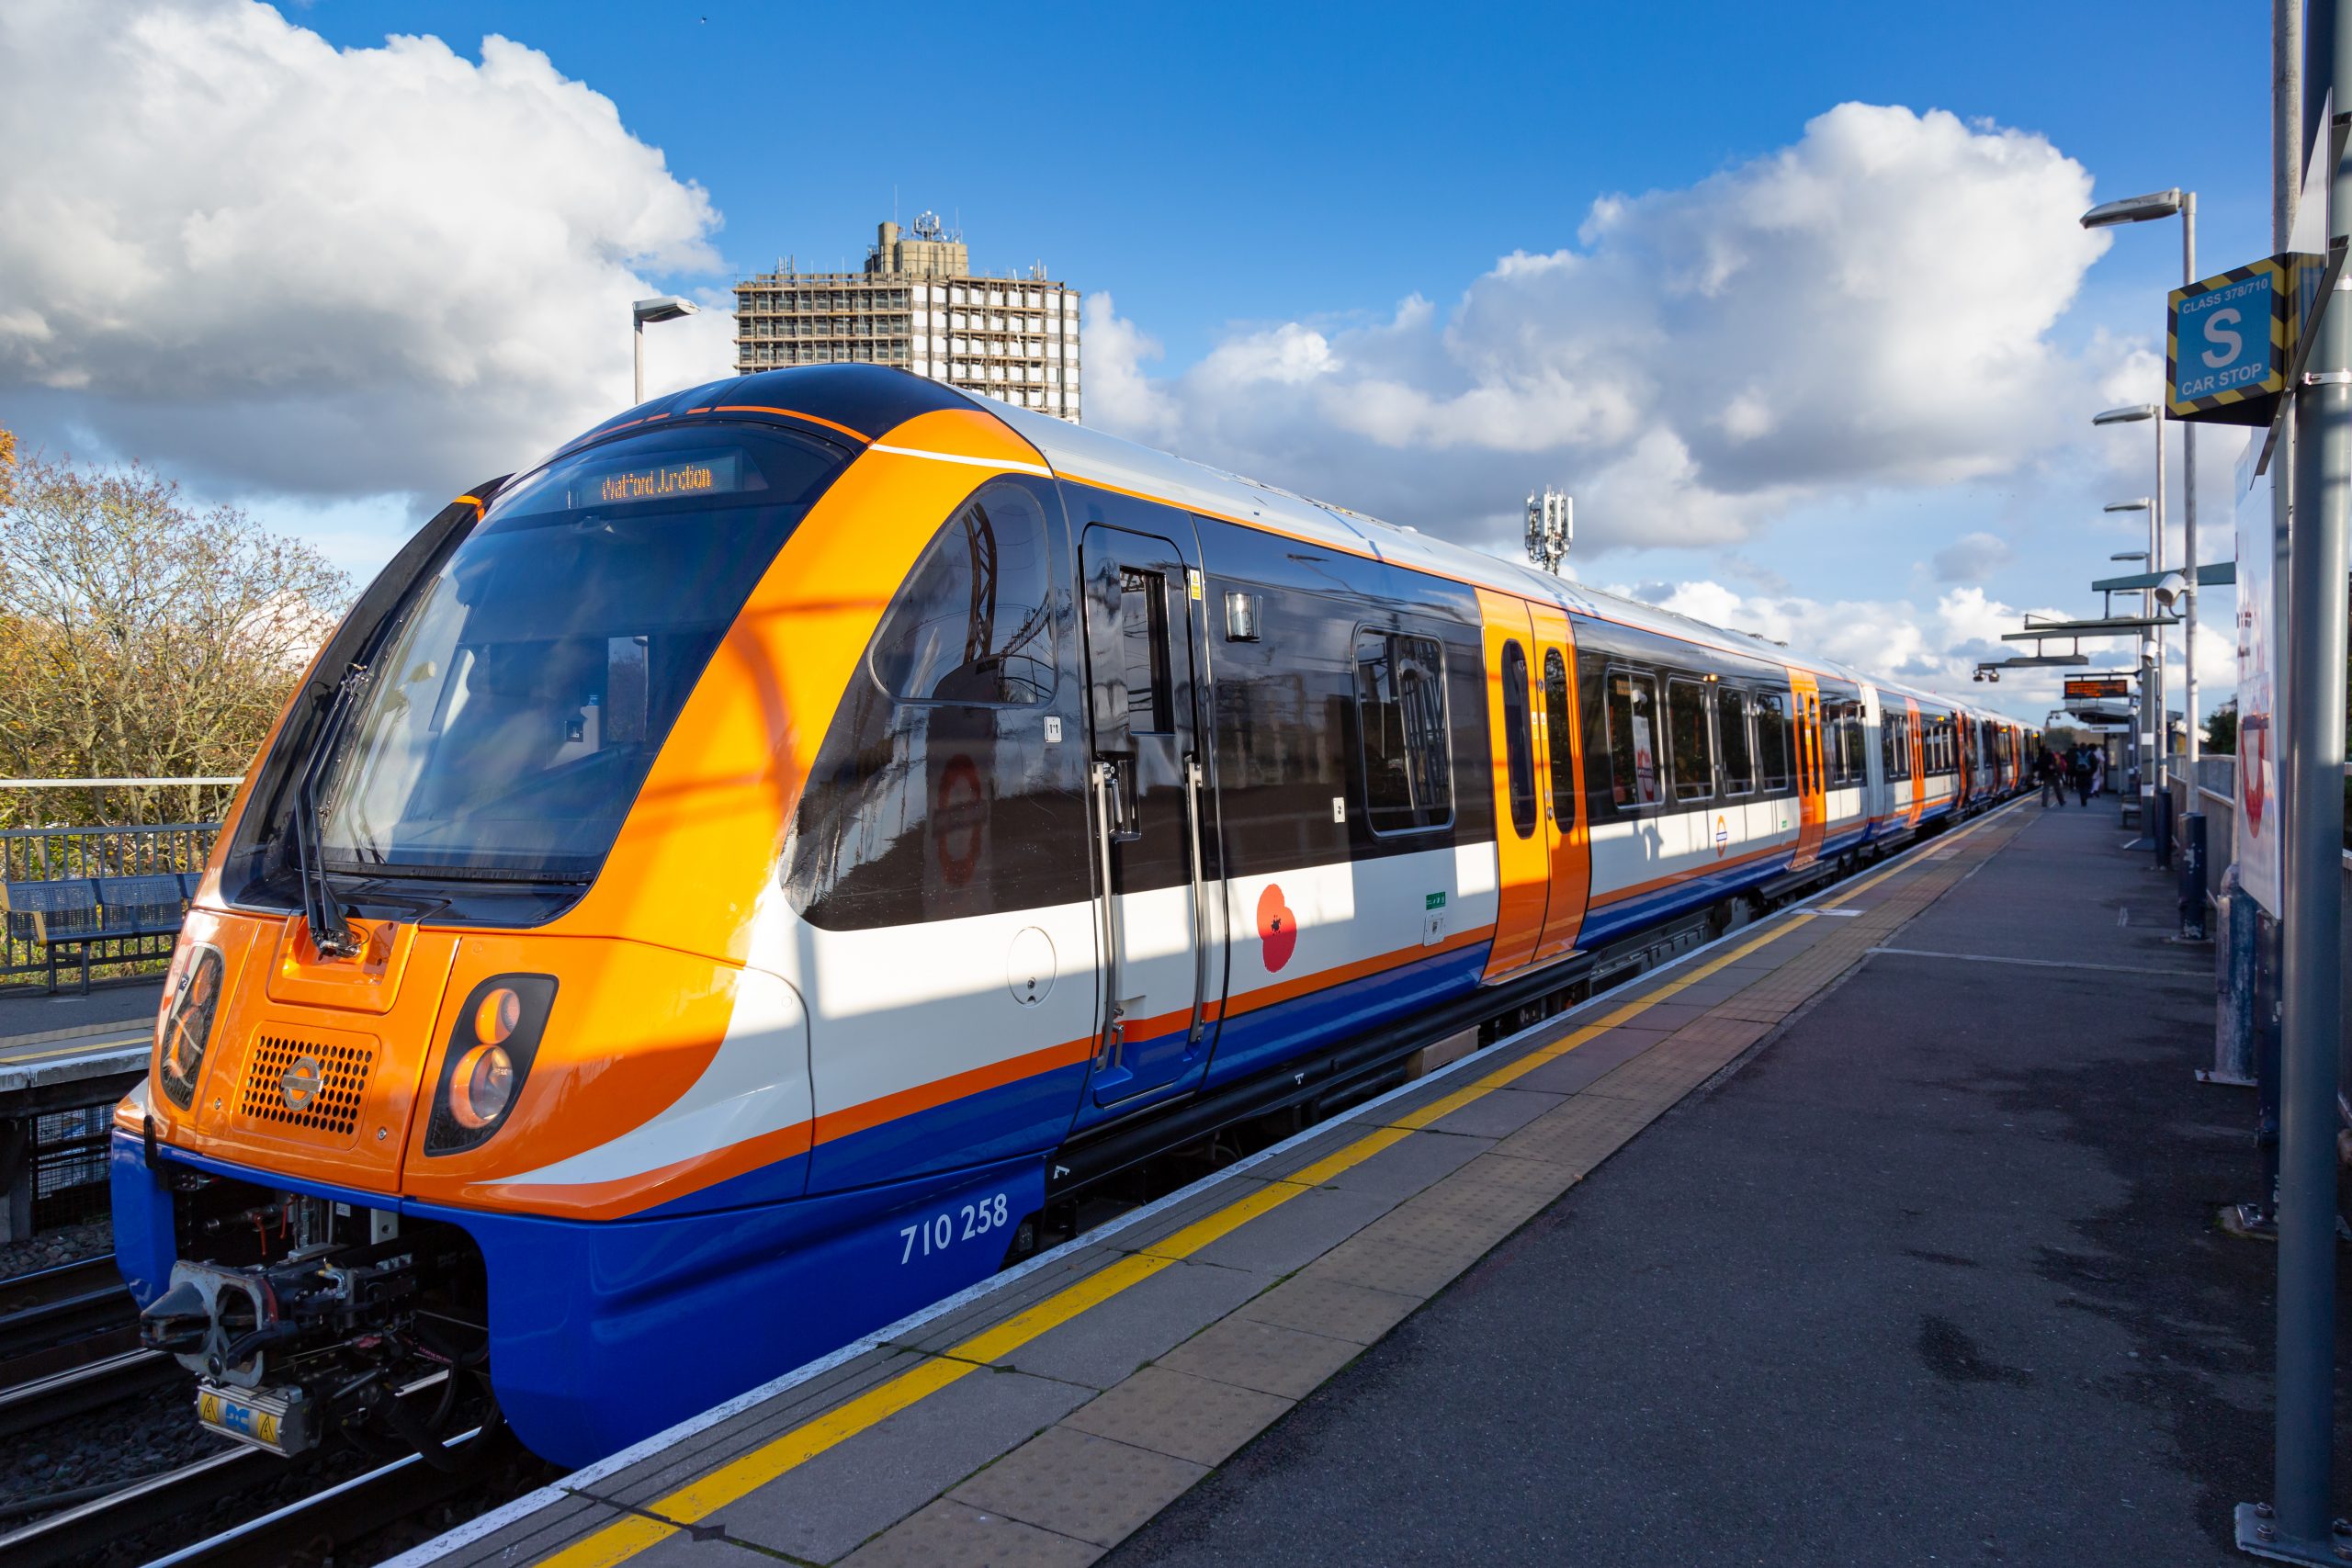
[590, 1073]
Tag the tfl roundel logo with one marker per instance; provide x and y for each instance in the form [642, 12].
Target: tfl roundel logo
[1277, 927]
[1723, 837]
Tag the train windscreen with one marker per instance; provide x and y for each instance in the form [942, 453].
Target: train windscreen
[527, 685]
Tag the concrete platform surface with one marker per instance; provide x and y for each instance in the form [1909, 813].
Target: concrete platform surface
[50, 1041]
[1219, 1343]
[1931, 1278]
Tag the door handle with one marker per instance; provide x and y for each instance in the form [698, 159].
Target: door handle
[1104, 772]
[1199, 895]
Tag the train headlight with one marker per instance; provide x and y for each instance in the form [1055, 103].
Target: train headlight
[490, 1049]
[482, 1086]
[187, 1023]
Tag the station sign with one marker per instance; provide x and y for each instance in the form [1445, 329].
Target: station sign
[2098, 689]
[2230, 339]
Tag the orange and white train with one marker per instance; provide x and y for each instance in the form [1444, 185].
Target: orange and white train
[719, 887]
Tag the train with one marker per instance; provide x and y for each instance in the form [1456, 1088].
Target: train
[741, 880]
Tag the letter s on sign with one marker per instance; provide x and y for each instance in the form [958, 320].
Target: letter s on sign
[2217, 330]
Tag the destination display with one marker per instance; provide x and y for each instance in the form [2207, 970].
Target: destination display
[2099, 688]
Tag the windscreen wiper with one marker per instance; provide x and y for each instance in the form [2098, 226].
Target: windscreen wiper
[330, 932]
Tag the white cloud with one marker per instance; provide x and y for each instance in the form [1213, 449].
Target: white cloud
[273, 266]
[1971, 558]
[1868, 308]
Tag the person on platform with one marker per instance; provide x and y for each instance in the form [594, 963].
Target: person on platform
[2082, 770]
[2053, 778]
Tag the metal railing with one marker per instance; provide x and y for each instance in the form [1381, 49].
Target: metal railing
[49, 854]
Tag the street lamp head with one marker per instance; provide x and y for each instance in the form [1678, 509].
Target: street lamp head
[2140, 506]
[2128, 414]
[2129, 554]
[2133, 208]
[667, 307]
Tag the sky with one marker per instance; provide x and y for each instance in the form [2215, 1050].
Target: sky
[1793, 299]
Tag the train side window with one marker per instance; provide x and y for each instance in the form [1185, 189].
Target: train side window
[1143, 642]
[1738, 749]
[972, 624]
[1851, 768]
[1632, 738]
[1691, 754]
[1518, 748]
[1556, 719]
[1773, 739]
[936, 793]
[1897, 751]
[1400, 713]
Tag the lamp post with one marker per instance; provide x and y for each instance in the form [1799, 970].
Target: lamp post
[2186, 597]
[2141, 209]
[2152, 650]
[666, 308]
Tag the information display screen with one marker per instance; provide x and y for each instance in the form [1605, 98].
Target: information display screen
[673, 477]
[2099, 688]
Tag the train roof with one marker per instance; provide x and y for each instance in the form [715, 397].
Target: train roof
[872, 399]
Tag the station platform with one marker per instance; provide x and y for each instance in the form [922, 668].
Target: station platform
[1902, 1251]
[49, 1042]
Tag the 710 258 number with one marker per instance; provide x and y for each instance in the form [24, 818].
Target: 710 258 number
[939, 1233]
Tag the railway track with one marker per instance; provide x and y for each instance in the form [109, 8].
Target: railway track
[69, 1344]
[60, 1308]
[85, 1527]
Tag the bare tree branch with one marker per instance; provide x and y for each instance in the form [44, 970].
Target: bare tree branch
[141, 638]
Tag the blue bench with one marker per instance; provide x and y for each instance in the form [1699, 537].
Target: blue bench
[75, 911]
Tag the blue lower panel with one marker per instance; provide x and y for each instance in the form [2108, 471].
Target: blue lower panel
[606, 1332]
[602, 1333]
[1024, 1116]
[144, 1246]
[1264, 1037]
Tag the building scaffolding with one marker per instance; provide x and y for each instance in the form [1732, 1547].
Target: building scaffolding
[919, 306]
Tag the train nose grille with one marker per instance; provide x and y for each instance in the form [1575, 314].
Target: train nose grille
[312, 1083]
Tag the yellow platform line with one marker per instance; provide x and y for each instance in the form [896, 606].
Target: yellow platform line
[737, 1479]
[86, 1048]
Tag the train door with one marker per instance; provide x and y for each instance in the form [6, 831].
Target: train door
[1522, 844]
[1964, 747]
[1919, 764]
[1560, 783]
[1813, 805]
[1148, 778]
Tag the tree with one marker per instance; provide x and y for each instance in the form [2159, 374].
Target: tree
[140, 637]
[2222, 730]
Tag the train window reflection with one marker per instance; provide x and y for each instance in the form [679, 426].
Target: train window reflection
[1400, 710]
[971, 625]
[1632, 738]
[1740, 755]
[1555, 721]
[950, 802]
[1517, 747]
[1693, 757]
[1143, 645]
[1773, 739]
[529, 683]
